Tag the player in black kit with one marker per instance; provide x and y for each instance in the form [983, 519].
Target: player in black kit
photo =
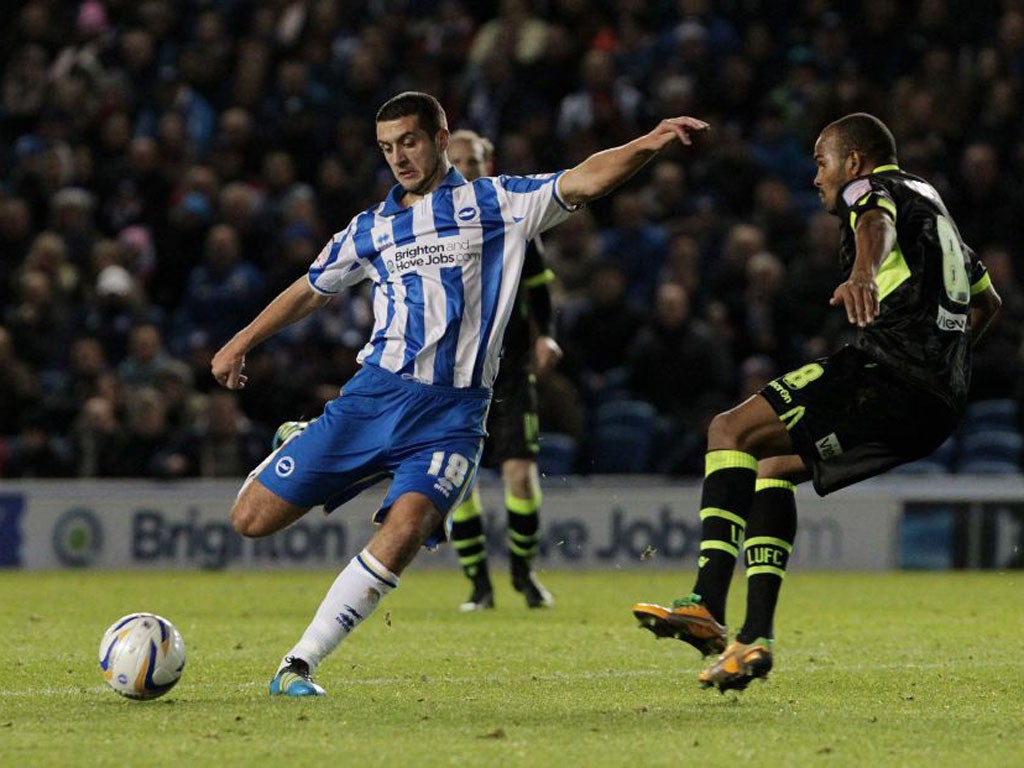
[919, 298]
[512, 426]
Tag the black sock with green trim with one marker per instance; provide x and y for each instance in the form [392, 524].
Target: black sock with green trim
[725, 503]
[771, 530]
[523, 532]
[468, 538]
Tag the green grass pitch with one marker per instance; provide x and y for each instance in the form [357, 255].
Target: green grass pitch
[871, 669]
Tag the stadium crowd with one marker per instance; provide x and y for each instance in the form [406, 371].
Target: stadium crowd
[168, 166]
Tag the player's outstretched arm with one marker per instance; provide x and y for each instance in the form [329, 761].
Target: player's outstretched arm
[875, 238]
[291, 305]
[603, 171]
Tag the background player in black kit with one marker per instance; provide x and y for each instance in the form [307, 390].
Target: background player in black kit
[919, 297]
[512, 426]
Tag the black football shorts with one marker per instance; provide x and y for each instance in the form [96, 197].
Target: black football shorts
[851, 418]
[512, 426]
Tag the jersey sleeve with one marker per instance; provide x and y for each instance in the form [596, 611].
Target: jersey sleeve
[865, 194]
[534, 202]
[338, 265]
[977, 272]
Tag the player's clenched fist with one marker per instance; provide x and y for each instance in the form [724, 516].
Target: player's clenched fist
[227, 366]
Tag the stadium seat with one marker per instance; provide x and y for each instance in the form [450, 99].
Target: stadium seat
[926, 466]
[945, 454]
[940, 462]
[614, 386]
[557, 454]
[622, 448]
[991, 445]
[636, 414]
[989, 467]
[984, 415]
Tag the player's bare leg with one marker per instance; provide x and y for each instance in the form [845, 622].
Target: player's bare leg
[369, 576]
[258, 511]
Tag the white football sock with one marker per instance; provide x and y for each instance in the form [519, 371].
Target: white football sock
[353, 596]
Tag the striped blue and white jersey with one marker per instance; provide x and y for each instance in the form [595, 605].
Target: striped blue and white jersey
[445, 272]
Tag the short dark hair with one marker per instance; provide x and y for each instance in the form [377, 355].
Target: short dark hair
[428, 109]
[866, 134]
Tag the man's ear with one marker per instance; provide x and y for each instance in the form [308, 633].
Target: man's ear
[855, 165]
[442, 137]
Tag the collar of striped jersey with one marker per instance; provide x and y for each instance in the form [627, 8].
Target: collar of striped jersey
[884, 168]
[393, 202]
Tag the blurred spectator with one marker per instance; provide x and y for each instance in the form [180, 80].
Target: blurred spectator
[71, 217]
[603, 333]
[774, 211]
[606, 106]
[666, 199]
[983, 206]
[147, 436]
[224, 443]
[15, 237]
[173, 379]
[223, 293]
[515, 31]
[997, 361]
[98, 439]
[637, 245]
[146, 356]
[573, 251]
[36, 322]
[678, 365]
[755, 373]
[19, 387]
[119, 306]
[37, 451]
[762, 314]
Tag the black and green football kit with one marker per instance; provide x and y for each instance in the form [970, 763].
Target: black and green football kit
[512, 433]
[896, 394]
[512, 427]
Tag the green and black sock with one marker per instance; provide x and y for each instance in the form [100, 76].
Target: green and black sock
[468, 538]
[523, 531]
[725, 503]
[771, 530]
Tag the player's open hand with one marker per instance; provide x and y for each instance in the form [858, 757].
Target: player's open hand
[859, 297]
[682, 129]
[227, 366]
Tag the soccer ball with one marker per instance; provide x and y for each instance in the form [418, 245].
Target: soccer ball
[142, 656]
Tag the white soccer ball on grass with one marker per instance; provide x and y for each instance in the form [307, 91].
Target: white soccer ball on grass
[142, 656]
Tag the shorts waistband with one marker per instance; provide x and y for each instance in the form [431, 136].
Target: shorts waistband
[472, 393]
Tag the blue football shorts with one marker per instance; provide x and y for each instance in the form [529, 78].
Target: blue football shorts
[427, 438]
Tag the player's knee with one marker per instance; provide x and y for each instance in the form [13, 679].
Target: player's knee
[245, 521]
[519, 478]
[791, 468]
[725, 432]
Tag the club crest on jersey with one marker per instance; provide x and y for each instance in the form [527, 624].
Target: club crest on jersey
[285, 466]
[466, 214]
[382, 240]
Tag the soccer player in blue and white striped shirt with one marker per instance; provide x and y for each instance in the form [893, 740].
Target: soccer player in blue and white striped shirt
[445, 257]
